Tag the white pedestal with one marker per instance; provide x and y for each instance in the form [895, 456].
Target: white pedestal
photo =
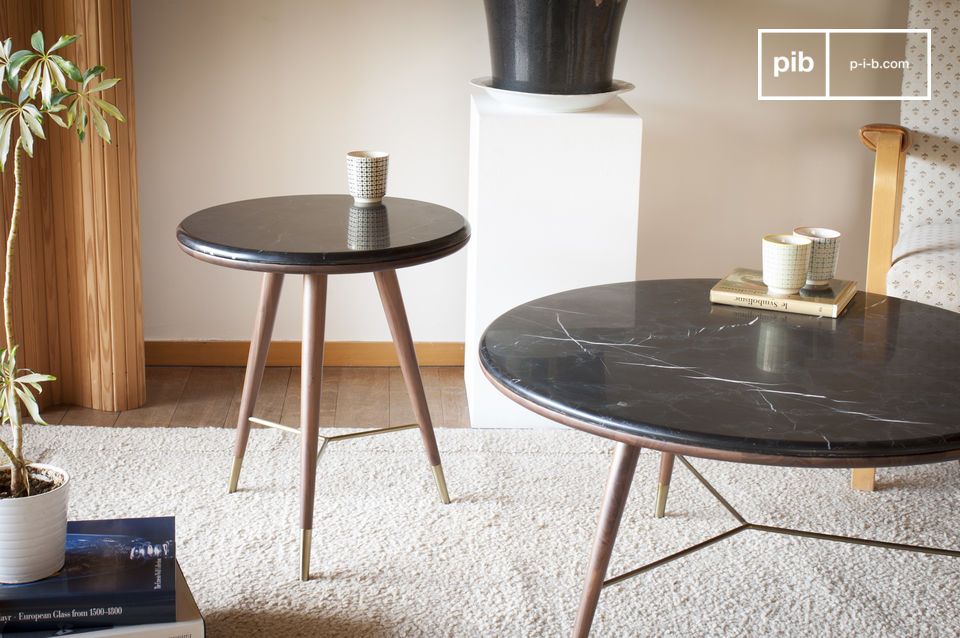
[553, 205]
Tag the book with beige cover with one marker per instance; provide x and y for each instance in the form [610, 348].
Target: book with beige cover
[745, 287]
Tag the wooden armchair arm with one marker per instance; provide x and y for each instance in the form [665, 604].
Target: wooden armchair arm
[890, 143]
[870, 134]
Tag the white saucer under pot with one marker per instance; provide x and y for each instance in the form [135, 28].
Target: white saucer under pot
[550, 103]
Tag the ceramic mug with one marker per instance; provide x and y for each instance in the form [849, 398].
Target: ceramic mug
[823, 255]
[367, 176]
[786, 260]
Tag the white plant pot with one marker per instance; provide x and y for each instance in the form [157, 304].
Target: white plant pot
[33, 532]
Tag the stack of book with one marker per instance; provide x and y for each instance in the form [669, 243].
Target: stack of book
[745, 287]
[120, 578]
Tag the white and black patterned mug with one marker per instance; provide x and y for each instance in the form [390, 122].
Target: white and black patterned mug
[786, 260]
[367, 176]
[823, 255]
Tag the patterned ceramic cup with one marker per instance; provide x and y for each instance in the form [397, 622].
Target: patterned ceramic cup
[367, 227]
[786, 260]
[367, 176]
[823, 255]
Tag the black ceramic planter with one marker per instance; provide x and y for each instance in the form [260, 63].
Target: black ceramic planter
[563, 47]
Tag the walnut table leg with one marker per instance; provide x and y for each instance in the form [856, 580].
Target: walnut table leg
[400, 330]
[256, 359]
[663, 487]
[311, 361]
[615, 497]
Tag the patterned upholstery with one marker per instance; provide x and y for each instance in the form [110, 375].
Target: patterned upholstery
[927, 256]
[926, 266]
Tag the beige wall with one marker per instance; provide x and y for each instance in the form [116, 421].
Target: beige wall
[244, 98]
[720, 168]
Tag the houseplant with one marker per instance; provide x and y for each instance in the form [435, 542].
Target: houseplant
[35, 84]
[561, 47]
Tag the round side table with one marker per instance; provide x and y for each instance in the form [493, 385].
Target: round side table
[653, 364]
[316, 236]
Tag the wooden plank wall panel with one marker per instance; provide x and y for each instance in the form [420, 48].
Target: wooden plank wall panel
[78, 298]
[109, 214]
[129, 201]
[65, 242]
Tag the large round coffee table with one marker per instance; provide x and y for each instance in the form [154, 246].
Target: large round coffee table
[654, 364]
[316, 236]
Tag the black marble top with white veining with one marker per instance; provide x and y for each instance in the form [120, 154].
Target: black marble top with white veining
[656, 359]
[322, 230]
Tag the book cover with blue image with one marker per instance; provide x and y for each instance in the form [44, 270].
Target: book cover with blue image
[117, 572]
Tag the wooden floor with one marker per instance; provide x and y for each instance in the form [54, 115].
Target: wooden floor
[351, 397]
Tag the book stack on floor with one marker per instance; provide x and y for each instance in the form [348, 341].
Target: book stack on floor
[120, 578]
[744, 287]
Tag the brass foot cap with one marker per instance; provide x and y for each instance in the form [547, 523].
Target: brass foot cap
[661, 509]
[306, 542]
[235, 474]
[441, 483]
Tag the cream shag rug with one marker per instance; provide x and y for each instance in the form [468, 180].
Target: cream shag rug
[507, 557]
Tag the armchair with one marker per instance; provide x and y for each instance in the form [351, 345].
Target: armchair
[914, 245]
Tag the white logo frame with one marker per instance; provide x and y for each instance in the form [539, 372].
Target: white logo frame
[826, 94]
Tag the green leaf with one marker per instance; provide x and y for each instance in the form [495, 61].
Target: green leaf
[18, 59]
[36, 41]
[110, 109]
[26, 137]
[31, 404]
[68, 67]
[5, 48]
[103, 86]
[6, 127]
[36, 377]
[27, 391]
[82, 124]
[56, 118]
[46, 85]
[11, 400]
[34, 120]
[92, 72]
[60, 96]
[72, 112]
[100, 124]
[56, 73]
[25, 84]
[30, 82]
[37, 77]
[5, 100]
[63, 41]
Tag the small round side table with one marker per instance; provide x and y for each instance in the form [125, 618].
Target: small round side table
[316, 236]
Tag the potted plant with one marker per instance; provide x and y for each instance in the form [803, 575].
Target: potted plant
[561, 47]
[35, 84]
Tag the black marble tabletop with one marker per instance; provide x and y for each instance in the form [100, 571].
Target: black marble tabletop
[657, 360]
[322, 230]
